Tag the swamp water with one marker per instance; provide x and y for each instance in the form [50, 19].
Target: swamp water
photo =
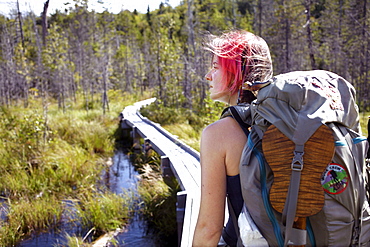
[120, 178]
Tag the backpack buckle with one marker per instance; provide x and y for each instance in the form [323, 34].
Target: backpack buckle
[297, 163]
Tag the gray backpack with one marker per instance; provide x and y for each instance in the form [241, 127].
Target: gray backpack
[297, 105]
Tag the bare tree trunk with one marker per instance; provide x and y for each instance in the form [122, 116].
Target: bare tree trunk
[287, 37]
[62, 77]
[366, 37]
[364, 71]
[105, 83]
[6, 64]
[159, 72]
[22, 81]
[233, 6]
[309, 34]
[186, 80]
[39, 68]
[45, 22]
[189, 56]
[20, 24]
[338, 40]
[2, 87]
[259, 17]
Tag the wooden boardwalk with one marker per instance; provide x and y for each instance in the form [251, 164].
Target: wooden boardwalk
[181, 159]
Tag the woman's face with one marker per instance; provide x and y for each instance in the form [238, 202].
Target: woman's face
[214, 78]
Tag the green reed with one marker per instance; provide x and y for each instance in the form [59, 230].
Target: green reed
[49, 155]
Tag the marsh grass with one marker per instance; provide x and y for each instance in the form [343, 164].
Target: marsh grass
[73, 241]
[184, 123]
[26, 217]
[364, 118]
[186, 133]
[105, 211]
[158, 196]
[50, 155]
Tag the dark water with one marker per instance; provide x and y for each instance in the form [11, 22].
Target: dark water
[123, 177]
[120, 178]
[137, 235]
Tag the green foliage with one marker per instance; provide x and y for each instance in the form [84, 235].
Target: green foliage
[182, 122]
[49, 156]
[55, 54]
[77, 130]
[364, 120]
[186, 133]
[104, 212]
[200, 117]
[159, 200]
[28, 133]
[73, 241]
[163, 115]
[25, 217]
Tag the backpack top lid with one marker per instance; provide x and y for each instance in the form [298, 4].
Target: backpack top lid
[297, 103]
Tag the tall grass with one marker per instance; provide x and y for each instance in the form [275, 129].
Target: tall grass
[49, 155]
[159, 198]
[185, 123]
[364, 119]
[105, 211]
[28, 216]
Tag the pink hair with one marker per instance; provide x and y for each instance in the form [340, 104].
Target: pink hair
[243, 57]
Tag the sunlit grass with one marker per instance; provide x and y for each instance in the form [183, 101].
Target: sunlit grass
[73, 241]
[364, 118]
[185, 123]
[88, 135]
[159, 199]
[49, 155]
[27, 216]
[186, 133]
[105, 212]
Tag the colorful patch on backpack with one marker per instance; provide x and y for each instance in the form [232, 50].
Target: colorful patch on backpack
[335, 179]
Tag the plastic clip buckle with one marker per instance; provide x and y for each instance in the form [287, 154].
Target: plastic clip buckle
[297, 163]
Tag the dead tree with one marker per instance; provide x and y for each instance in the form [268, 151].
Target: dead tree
[45, 22]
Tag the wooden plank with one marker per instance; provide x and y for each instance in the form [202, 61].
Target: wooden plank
[188, 180]
[190, 219]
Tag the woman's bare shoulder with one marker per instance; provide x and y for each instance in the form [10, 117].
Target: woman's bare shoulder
[224, 139]
[226, 127]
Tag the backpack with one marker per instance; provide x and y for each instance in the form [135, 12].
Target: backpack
[298, 104]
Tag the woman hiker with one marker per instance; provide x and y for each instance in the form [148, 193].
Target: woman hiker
[238, 57]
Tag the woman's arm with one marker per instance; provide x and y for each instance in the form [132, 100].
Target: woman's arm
[213, 187]
[220, 150]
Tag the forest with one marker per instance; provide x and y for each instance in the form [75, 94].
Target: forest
[82, 53]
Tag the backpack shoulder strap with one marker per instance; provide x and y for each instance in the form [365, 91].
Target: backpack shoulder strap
[236, 112]
[235, 222]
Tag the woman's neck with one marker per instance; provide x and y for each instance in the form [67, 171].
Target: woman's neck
[233, 100]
